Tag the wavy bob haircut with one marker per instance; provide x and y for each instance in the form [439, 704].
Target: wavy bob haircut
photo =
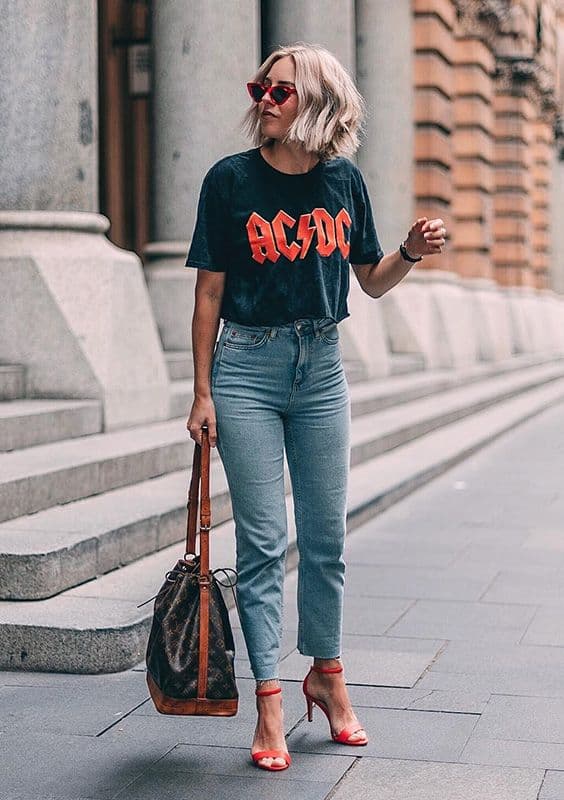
[330, 107]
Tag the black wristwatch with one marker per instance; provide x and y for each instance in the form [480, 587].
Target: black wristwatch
[406, 255]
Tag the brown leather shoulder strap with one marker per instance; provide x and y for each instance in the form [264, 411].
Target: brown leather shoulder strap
[192, 503]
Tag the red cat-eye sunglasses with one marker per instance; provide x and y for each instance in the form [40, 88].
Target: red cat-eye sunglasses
[279, 94]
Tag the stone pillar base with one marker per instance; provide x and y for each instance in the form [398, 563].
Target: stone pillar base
[171, 289]
[74, 309]
[363, 335]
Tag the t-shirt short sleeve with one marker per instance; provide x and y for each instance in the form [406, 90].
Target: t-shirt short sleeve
[365, 246]
[208, 248]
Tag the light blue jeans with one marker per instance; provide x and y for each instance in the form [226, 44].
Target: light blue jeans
[274, 388]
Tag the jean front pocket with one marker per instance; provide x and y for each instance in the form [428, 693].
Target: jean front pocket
[241, 337]
[330, 334]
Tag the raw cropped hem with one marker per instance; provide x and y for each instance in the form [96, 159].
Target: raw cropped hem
[318, 652]
[265, 672]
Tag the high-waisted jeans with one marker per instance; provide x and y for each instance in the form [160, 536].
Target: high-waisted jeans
[274, 388]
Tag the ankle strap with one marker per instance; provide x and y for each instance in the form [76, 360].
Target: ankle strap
[265, 692]
[327, 670]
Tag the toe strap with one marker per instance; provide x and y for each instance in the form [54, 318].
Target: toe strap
[272, 754]
[346, 734]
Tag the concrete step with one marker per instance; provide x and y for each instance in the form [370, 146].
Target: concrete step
[180, 364]
[46, 475]
[408, 384]
[25, 423]
[67, 544]
[97, 627]
[12, 381]
[402, 363]
[181, 389]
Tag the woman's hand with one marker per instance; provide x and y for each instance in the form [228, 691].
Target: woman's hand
[425, 237]
[202, 413]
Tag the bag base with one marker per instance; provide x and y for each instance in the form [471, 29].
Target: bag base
[192, 706]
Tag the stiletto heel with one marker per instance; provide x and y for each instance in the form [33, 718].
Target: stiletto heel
[256, 757]
[344, 736]
[310, 704]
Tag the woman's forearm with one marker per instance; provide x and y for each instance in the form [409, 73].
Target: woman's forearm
[205, 324]
[388, 272]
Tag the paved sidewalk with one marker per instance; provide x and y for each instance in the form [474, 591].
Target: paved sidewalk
[454, 653]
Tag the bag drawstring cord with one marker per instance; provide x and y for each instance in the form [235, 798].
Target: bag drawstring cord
[181, 572]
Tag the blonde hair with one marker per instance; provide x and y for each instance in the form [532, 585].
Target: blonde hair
[330, 107]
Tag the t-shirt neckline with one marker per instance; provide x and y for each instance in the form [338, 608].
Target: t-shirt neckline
[290, 175]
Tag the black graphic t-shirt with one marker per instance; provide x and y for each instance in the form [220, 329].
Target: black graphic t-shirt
[285, 242]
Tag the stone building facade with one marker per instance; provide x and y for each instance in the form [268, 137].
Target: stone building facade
[465, 121]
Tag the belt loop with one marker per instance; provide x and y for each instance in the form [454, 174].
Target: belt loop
[272, 332]
[316, 328]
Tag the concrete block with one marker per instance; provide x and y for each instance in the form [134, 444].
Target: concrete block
[413, 325]
[179, 363]
[12, 381]
[86, 328]
[363, 336]
[492, 319]
[171, 291]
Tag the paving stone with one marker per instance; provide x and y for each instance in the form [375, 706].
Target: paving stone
[228, 731]
[67, 767]
[465, 621]
[235, 761]
[384, 696]
[418, 583]
[512, 753]
[542, 586]
[374, 660]
[546, 628]
[199, 784]
[458, 702]
[501, 668]
[384, 779]
[393, 733]
[509, 555]
[375, 549]
[83, 708]
[535, 719]
[552, 786]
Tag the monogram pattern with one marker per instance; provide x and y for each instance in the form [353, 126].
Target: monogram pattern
[173, 646]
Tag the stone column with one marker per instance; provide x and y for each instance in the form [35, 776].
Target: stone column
[332, 25]
[48, 97]
[83, 326]
[323, 22]
[385, 79]
[199, 98]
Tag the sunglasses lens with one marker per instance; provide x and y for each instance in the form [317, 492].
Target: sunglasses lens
[279, 94]
[256, 91]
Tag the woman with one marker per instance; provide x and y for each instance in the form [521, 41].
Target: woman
[277, 230]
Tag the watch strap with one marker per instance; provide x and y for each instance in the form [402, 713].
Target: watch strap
[406, 255]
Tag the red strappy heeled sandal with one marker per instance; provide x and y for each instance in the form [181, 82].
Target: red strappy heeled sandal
[344, 736]
[256, 757]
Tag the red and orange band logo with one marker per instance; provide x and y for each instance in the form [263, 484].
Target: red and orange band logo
[269, 240]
